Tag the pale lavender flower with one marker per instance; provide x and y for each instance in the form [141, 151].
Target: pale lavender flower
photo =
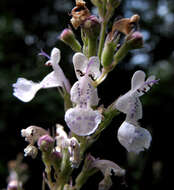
[25, 90]
[82, 119]
[33, 133]
[129, 103]
[106, 166]
[133, 137]
[31, 150]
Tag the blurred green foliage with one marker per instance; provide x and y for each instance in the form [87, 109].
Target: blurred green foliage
[28, 26]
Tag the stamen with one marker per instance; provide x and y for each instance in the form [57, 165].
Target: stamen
[44, 54]
[151, 82]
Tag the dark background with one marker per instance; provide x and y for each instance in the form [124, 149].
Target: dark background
[28, 26]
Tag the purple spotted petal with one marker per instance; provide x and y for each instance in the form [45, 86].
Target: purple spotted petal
[82, 121]
[83, 93]
[80, 62]
[134, 138]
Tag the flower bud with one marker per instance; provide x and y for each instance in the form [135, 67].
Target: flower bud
[135, 40]
[91, 29]
[108, 52]
[91, 26]
[46, 143]
[31, 150]
[68, 37]
[132, 41]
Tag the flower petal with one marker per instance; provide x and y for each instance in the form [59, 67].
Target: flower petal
[80, 62]
[25, 90]
[130, 105]
[94, 67]
[134, 138]
[135, 111]
[55, 56]
[51, 80]
[137, 80]
[82, 121]
[83, 93]
[106, 166]
[58, 72]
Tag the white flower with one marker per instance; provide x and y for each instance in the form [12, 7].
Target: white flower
[31, 150]
[129, 103]
[106, 166]
[82, 66]
[61, 138]
[33, 133]
[74, 152]
[134, 138]
[25, 90]
[83, 92]
[82, 121]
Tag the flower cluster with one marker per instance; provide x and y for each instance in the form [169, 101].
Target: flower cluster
[84, 116]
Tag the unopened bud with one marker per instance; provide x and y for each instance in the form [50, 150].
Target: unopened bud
[135, 40]
[31, 150]
[108, 52]
[91, 30]
[91, 26]
[132, 41]
[68, 37]
[46, 143]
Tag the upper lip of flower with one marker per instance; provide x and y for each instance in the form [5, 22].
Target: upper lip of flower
[84, 66]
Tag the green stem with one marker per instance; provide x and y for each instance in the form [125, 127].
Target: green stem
[102, 39]
[66, 170]
[45, 159]
[83, 177]
[92, 47]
